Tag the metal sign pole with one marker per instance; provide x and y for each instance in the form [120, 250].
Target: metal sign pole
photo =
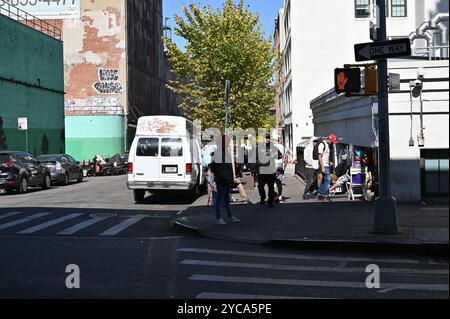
[227, 102]
[386, 217]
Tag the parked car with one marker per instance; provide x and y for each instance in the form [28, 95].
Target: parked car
[64, 168]
[20, 170]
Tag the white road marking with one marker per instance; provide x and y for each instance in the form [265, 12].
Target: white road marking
[23, 220]
[124, 225]
[81, 226]
[339, 269]
[223, 296]
[315, 283]
[299, 256]
[9, 215]
[48, 224]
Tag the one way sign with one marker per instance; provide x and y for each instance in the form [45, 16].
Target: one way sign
[383, 50]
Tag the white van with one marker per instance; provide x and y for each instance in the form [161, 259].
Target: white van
[165, 157]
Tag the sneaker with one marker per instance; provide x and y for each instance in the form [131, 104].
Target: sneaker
[234, 220]
[221, 222]
[262, 203]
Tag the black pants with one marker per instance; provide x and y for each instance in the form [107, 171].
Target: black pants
[269, 180]
[311, 178]
[279, 187]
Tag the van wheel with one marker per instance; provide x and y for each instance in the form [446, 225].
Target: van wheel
[139, 196]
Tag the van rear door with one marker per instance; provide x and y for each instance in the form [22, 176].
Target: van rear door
[147, 163]
[173, 164]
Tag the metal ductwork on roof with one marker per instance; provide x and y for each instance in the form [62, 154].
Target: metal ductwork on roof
[424, 31]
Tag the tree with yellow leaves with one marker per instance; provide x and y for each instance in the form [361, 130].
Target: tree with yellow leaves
[223, 44]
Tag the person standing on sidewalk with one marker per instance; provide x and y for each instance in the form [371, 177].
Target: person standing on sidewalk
[281, 164]
[267, 171]
[312, 167]
[224, 178]
[325, 166]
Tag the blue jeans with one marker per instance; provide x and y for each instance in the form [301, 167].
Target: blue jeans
[324, 189]
[223, 198]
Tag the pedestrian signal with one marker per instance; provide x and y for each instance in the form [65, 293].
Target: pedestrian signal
[347, 80]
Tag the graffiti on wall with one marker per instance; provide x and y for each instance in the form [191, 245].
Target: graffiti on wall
[108, 82]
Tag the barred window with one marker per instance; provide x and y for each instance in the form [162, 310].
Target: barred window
[362, 8]
[398, 8]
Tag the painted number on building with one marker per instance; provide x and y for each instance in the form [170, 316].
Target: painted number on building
[47, 9]
[22, 124]
[108, 82]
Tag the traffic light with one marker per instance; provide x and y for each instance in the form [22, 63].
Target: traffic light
[347, 80]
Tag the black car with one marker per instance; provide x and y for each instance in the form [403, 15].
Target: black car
[20, 170]
[63, 168]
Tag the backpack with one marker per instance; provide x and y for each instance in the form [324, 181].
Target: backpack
[316, 150]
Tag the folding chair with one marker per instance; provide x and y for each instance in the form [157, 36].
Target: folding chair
[357, 185]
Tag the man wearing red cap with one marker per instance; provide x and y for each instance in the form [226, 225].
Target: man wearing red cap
[324, 160]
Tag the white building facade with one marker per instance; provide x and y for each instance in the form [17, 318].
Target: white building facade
[319, 36]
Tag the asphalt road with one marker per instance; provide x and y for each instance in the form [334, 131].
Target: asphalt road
[128, 251]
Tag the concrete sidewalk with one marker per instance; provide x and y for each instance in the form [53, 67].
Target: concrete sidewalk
[337, 225]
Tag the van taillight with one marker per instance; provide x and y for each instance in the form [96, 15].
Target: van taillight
[130, 168]
[188, 169]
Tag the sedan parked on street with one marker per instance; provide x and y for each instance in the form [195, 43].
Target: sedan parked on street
[20, 170]
[64, 168]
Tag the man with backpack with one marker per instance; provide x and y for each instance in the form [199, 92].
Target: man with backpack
[324, 155]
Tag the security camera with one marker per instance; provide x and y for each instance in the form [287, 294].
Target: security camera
[416, 84]
[421, 74]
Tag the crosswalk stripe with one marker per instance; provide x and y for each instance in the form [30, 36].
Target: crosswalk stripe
[81, 226]
[122, 226]
[291, 256]
[312, 269]
[315, 283]
[48, 224]
[224, 296]
[23, 220]
[9, 215]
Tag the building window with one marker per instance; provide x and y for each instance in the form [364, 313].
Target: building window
[362, 8]
[398, 8]
[435, 172]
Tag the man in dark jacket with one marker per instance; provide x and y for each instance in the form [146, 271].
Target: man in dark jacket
[224, 178]
[267, 171]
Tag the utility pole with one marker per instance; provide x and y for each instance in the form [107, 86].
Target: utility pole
[386, 216]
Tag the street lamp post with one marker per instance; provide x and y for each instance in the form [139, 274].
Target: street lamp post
[386, 216]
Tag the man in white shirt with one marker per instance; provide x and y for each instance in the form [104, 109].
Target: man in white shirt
[312, 167]
[324, 161]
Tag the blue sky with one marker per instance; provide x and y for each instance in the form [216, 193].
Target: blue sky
[268, 10]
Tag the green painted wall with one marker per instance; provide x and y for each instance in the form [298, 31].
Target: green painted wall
[87, 136]
[32, 86]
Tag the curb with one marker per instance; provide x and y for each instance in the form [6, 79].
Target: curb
[420, 248]
[179, 226]
[361, 246]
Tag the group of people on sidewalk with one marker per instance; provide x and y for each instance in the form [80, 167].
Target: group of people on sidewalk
[221, 179]
[323, 177]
